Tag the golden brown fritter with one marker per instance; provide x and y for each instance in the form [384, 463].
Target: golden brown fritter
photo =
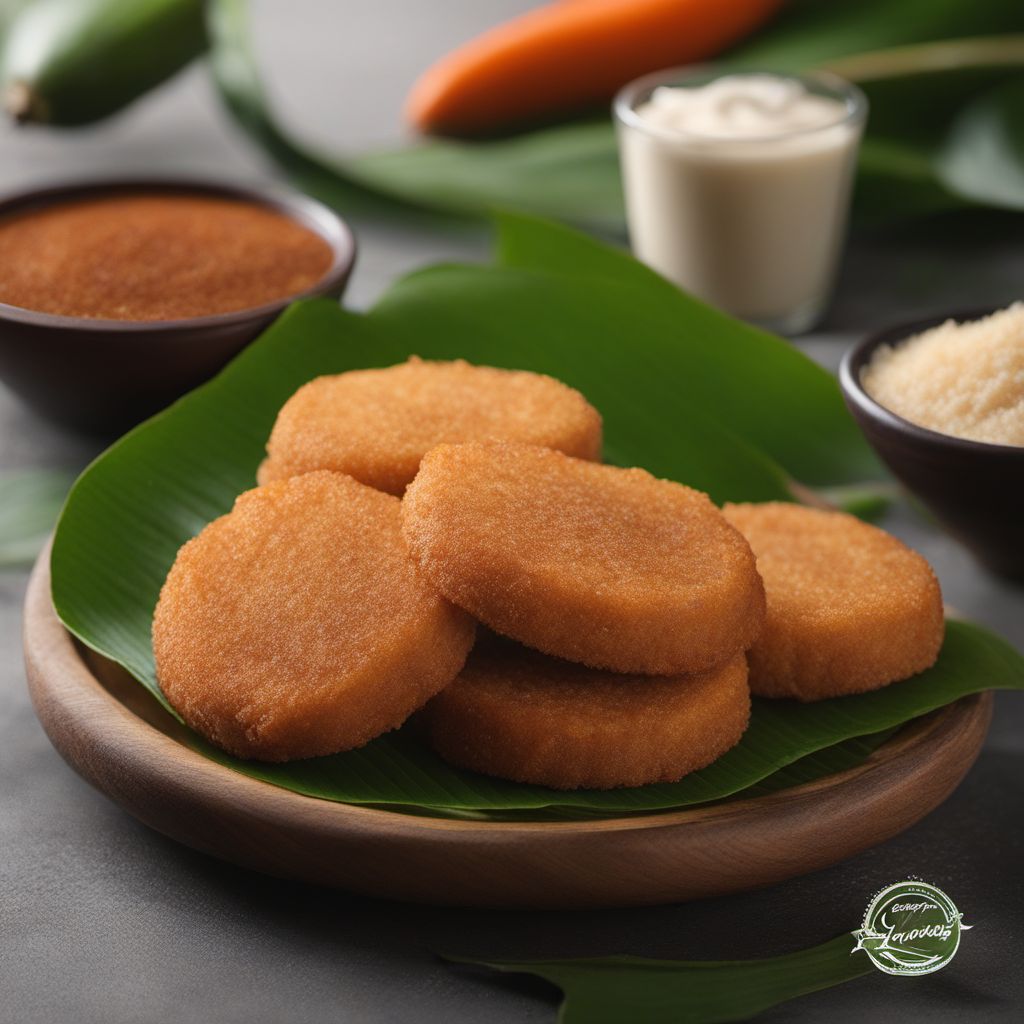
[521, 715]
[296, 626]
[605, 566]
[850, 608]
[376, 425]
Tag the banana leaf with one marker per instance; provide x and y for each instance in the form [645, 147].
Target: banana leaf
[30, 501]
[810, 33]
[683, 392]
[831, 760]
[983, 155]
[611, 989]
[9, 10]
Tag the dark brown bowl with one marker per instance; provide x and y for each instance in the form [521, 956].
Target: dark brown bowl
[105, 375]
[976, 490]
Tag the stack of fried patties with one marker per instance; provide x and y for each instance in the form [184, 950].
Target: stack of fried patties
[624, 620]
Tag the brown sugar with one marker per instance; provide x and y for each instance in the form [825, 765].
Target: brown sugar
[155, 257]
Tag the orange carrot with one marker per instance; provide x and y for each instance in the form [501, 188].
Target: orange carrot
[565, 56]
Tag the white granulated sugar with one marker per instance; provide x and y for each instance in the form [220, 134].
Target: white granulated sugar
[961, 379]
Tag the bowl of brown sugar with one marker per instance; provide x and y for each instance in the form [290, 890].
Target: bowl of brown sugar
[942, 402]
[117, 297]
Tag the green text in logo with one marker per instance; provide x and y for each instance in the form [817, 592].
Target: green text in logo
[910, 928]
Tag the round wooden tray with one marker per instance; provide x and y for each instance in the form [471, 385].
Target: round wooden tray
[113, 734]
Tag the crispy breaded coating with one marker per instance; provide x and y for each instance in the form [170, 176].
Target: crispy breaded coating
[609, 567]
[376, 425]
[850, 608]
[296, 625]
[521, 715]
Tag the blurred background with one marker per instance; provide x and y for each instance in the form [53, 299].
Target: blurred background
[944, 134]
[133, 922]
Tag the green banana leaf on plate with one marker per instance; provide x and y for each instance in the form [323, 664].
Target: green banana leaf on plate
[685, 391]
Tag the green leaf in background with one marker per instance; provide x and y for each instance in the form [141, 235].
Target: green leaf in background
[894, 175]
[640, 350]
[920, 61]
[612, 989]
[237, 76]
[29, 503]
[241, 89]
[915, 94]
[569, 172]
[867, 501]
[983, 156]
[914, 90]
[810, 33]
[9, 9]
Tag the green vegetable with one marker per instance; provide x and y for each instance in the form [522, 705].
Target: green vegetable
[686, 392]
[69, 62]
[29, 503]
[611, 989]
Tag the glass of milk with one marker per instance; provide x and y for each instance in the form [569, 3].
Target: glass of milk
[738, 185]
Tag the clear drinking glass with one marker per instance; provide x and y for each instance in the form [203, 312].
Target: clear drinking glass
[753, 224]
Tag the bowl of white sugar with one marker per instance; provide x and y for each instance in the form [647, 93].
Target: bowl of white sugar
[942, 402]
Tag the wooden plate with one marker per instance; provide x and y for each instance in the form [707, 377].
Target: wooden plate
[114, 734]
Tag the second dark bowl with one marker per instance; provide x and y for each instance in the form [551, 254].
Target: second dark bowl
[975, 489]
[105, 375]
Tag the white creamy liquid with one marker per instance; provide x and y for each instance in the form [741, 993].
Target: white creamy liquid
[738, 191]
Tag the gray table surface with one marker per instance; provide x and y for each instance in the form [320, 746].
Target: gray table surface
[102, 920]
